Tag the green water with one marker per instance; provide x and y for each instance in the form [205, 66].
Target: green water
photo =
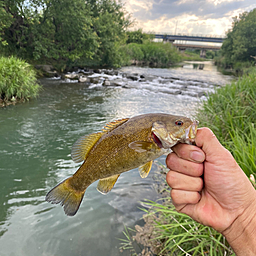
[35, 143]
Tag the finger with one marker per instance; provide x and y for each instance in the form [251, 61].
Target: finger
[180, 198]
[178, 164]
[189, 152]
[180, 181]
[208, 142]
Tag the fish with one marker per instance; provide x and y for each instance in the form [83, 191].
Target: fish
[122, 145]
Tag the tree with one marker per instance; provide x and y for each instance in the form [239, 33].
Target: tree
[137, 36]
[109, 21]
[240, 43]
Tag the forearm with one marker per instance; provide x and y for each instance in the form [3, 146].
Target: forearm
[241, 235]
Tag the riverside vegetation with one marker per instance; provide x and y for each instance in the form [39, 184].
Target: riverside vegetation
[230, 112]
[18, 81]
[238, 53]
[82, 34]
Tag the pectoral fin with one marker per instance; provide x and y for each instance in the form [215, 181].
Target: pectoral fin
[141, 146]
[83, 145]
[105, 185]
[145, 169]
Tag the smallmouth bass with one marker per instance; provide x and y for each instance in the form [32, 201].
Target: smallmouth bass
[122, 145]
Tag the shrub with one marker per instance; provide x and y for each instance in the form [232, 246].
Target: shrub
[17, 80]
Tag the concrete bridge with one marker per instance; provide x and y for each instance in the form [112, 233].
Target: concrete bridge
[202, 48]
[195, 38]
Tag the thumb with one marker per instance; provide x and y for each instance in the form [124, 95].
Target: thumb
[208, 142]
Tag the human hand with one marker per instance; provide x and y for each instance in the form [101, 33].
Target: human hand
[224, 198]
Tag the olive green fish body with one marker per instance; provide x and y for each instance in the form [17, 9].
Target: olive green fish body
[121, 146]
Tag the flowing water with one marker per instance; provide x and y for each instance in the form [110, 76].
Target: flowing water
[35, 143]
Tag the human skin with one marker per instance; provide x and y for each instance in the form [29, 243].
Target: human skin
[223, 199]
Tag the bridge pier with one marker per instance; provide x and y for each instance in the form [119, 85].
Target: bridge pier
[203, 53]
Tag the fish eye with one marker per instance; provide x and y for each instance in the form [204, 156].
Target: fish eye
[179, 123]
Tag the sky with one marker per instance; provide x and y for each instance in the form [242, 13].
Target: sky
[193, 17]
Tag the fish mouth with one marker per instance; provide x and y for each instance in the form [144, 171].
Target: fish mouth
[157, 140]
[190, 133]
[166, 140]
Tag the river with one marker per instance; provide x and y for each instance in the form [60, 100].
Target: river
[35, 143]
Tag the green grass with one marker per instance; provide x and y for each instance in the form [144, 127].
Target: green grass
[180, 235]
[17, 80]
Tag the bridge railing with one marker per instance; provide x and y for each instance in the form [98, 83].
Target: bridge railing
[189, 35]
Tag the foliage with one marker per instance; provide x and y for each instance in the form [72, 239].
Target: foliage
[230, 107]
[137, 37]
[17, 80]
[152, 53]
[109, 23]
[62, 31]
[240, 44]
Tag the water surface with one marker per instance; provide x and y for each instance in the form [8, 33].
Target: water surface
[35, 143]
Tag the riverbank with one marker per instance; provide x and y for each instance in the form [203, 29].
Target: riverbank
[230, 113]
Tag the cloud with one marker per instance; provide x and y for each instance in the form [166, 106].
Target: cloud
[187, 16]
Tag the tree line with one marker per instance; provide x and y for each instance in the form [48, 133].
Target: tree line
[78, 33]
[63, 30]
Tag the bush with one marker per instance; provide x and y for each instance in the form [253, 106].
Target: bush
[17, 80]
[153, 54]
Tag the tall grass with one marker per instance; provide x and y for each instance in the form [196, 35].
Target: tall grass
[180, 235]
[231, 113]
[17, 80]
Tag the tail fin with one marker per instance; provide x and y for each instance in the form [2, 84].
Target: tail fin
[64, 194]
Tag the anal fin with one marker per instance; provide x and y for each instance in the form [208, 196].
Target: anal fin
[145, 169]
[105, 185]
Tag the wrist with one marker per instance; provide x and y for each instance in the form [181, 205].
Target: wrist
[241, 235]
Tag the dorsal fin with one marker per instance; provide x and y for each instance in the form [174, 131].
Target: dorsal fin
[83, 146]
[112, 125]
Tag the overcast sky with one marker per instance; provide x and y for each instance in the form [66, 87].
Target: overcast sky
[207, 17]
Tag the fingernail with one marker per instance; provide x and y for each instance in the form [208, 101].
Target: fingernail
[197, 156]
